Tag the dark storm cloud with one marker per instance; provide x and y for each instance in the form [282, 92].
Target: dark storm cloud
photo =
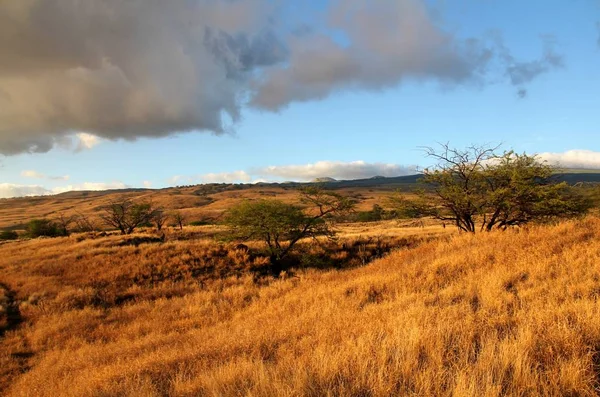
[125, 69]
[521, 73]
[383, 43]
[147, 68]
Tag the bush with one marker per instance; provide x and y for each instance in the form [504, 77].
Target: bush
[8, 235]
[44, 227]
[376, 214]
[198, 223]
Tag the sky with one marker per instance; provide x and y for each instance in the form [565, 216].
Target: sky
[99, 95]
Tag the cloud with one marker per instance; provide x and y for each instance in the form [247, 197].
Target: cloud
[8, 190]
[94, 186]
[86, 141]
[385, 42]
[336, 170]
[147, 184]
[37, 175]
[174, 179]
[225, 177]
[32, 174]
[118, 69]
[573, 159]
[520, 73]
[129, 69]
[301, 173]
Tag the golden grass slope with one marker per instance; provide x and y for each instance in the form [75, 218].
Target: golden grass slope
[194, 202]
[513, 313]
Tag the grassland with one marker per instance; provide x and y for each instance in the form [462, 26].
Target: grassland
[513, 313]
[196, 203]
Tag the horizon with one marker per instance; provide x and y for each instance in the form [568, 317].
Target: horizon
[260, 91]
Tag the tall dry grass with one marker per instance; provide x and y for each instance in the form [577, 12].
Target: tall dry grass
[512, 313]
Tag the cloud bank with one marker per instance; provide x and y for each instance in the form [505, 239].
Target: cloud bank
[118, 69]
[38, 175]
[301, 173]
[8, 190]
[336, 170]
[573, 159]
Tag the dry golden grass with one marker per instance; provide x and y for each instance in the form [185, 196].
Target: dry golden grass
[512, 313]
[194, 203]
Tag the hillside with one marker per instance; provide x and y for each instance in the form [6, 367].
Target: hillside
[513, 313]
[207, 202]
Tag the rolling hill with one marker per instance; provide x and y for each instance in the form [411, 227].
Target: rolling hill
[207, 202]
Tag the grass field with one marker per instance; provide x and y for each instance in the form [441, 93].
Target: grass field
[513, 313]
[196, 203]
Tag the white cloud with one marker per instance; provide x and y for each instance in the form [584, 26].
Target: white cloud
[32, 174]
[336, 169]
[303, 172]
[225, 177]
[147, 184]
[86, 141]
[8, 190]
[573, 159]
[174, 179]
[39, 175]
[90, 186]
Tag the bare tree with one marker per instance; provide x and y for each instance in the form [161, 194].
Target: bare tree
[64, 222]
[159, 217]
[84, 223]
[179, 219]
[126, 215]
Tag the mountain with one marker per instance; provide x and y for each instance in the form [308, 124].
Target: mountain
[323, 180]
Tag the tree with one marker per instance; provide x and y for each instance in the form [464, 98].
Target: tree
[477, 189]
[159, 217]
[84, 223]
[281, 225]
[64, 222]
[126, 215]
[179, 219]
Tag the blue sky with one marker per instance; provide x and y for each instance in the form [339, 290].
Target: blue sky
[359, 129]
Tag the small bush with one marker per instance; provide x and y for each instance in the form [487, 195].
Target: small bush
[8, 235]
[199, 223]
[44, 227]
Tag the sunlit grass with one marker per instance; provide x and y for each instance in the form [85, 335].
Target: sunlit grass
[511, 313]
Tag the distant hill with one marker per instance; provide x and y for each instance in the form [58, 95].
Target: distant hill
[323, 180]
[207, 202]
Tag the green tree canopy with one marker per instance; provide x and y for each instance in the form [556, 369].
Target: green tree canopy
[126, 215]
[281, 225]
[478, 190]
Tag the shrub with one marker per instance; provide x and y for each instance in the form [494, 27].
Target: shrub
[376, 214]
[8, 235]
[43, 227]
[198, 223]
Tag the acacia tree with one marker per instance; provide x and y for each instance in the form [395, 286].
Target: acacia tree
[179, 219]
[84, 223]
[281, 225]
[64, 222]
[126, 215]
[159, 217]
[476, 189]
